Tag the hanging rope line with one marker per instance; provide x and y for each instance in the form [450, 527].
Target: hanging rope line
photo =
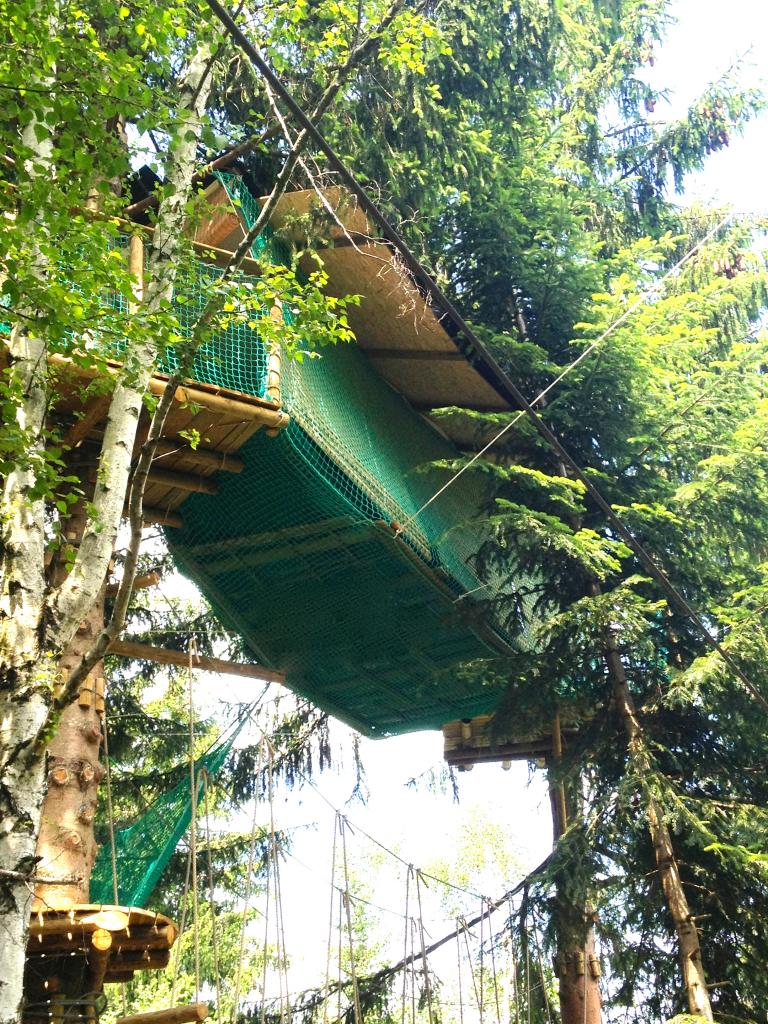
[458, 976]
[358, 828]
[495, 980]
[406, 930]
[193, 822]
[327, 986]
[248, 888]
[425, 965]
[212, 901]
[111, 824]
[342, 825]
[182, 926]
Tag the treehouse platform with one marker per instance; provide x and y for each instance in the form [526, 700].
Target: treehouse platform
[301, 513]
[82, 948]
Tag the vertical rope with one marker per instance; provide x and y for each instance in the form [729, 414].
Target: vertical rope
[458, 969]
[193, 821]
[214, 927]
[427, 986]
[340, 950]
[182, 926]
[408, 872]
[513, 956]
[112, 845]
[482, 960]
[282, 957]
[494, 974]
[248, 887]
[330, 925]
[355, 990]
[471, 965]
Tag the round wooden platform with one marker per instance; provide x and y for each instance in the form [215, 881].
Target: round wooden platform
[75, 951]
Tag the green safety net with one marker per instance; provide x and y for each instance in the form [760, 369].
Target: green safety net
[297, 552]
[142, 850]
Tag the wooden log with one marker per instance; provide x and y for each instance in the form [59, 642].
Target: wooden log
[205, 458]
[178, 481]
[136, 941]
[182, 481]
[98, 958]
[163, 656]
[148, 579]
[174, 1015]
[159, 517]
[136, 268]
[223, 405]
[138, 960]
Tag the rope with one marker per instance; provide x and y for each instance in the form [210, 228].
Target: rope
[111, 823]
[193, 821]
[406, 926]
[458, 976]
[330, 927]
[355, 989]
[478, 997]
[482, 963]
[214, 927]
[427, 985]
[248, 888]
[279, 921]
[495, 980]
[182, 926]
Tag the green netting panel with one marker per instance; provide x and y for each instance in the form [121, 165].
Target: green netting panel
[233, 358]
[322, 592]
[298, 555]
[144, 848]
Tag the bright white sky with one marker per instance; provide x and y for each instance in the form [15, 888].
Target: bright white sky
[420, 825]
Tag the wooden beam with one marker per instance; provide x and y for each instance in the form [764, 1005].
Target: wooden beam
[177, 481]
[205, 458]
[182, 481]
[174, 1015]
[148, 579]
[164, 656]
[161, 517]
[93, 414]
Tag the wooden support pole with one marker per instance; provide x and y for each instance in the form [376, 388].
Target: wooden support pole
[98, 958]
[175, 1015]
[163, 656]
[147, 579]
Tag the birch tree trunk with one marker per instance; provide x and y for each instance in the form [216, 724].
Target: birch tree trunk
[26, 678]
[38, 621]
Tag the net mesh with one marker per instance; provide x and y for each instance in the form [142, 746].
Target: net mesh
[297, 552]
[143, 849]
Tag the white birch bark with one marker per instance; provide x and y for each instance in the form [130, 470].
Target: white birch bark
[37, 624]
[80, 589]
[25, 680]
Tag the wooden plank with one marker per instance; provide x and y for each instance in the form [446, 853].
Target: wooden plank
[174, 1015]
[164, 656]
